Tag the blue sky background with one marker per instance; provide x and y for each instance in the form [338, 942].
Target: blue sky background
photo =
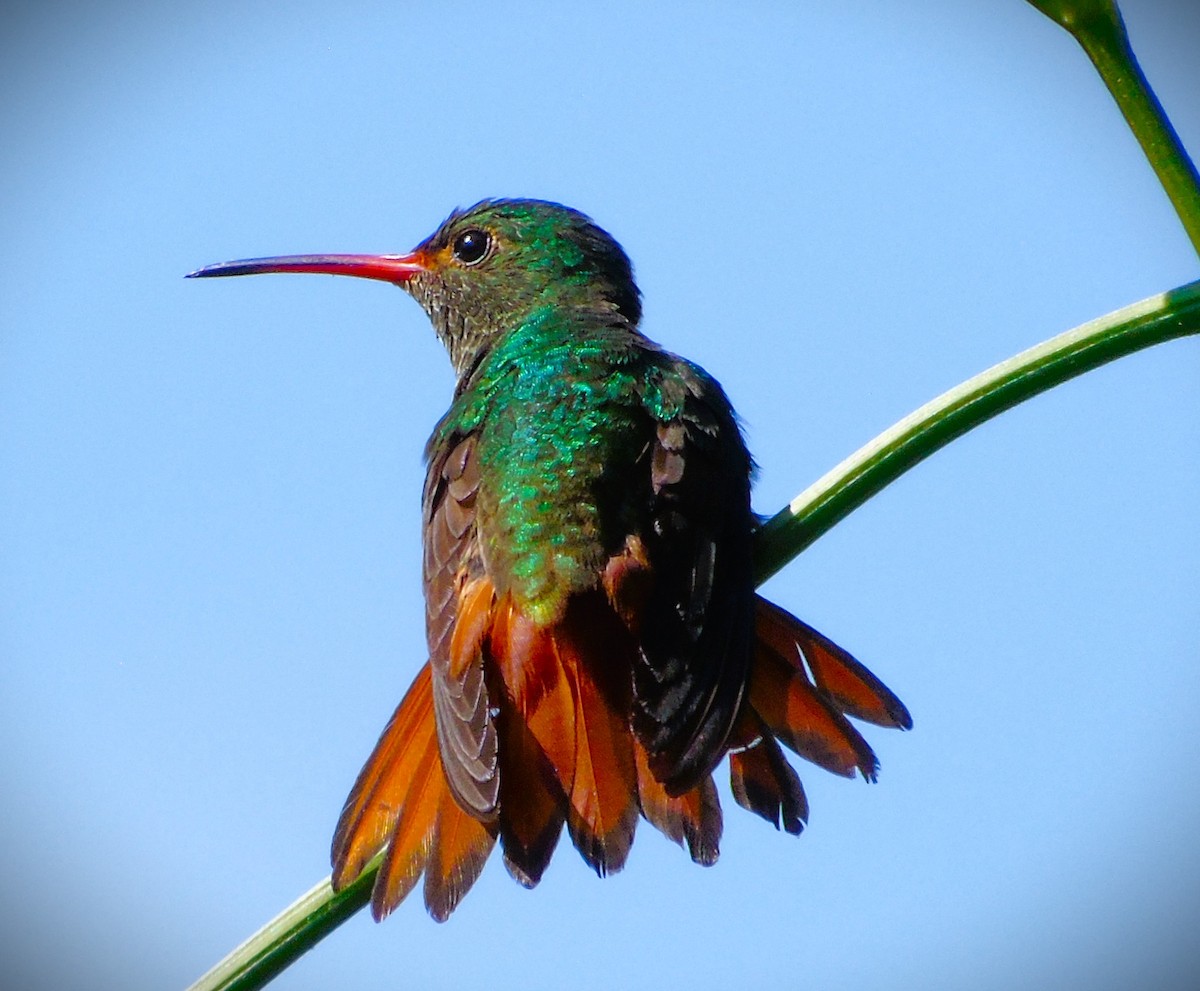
[209, 587]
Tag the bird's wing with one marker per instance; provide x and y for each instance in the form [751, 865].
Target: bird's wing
[698, 614]
[458, 603]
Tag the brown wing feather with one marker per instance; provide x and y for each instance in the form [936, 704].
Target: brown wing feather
[458, 602]
[466, 732]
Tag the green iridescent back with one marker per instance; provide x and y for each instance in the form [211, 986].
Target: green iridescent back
[562, 409]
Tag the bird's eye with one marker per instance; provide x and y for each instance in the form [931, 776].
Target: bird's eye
[471, 247]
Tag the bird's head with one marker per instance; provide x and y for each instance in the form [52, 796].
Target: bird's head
[488, 268]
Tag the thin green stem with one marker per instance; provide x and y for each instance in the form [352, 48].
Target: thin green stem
[1099, 28]
[1152, 321]
[295, 931]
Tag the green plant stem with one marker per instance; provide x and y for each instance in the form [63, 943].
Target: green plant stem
[1160, 318]
[1099, 28]
[293, 932]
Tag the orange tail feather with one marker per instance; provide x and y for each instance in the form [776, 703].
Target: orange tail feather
[401, 799]
[581, 727]
[537, 751]
[603, 811]
[803, 719]
[567, 753]
[528, 664]
[408, 850]
[459, 849]
[847, 682]
[373, 807]
[532, 802]
[762, 780]
[693, 818]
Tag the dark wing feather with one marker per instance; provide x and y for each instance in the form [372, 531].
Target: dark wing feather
[697, 628]
[457, 604]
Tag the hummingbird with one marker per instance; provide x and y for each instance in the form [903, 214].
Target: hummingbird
[596, 646]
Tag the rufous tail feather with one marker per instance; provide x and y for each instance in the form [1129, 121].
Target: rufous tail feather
[567, 754]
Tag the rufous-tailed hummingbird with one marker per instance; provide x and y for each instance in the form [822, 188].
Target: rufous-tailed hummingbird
[596, 646]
